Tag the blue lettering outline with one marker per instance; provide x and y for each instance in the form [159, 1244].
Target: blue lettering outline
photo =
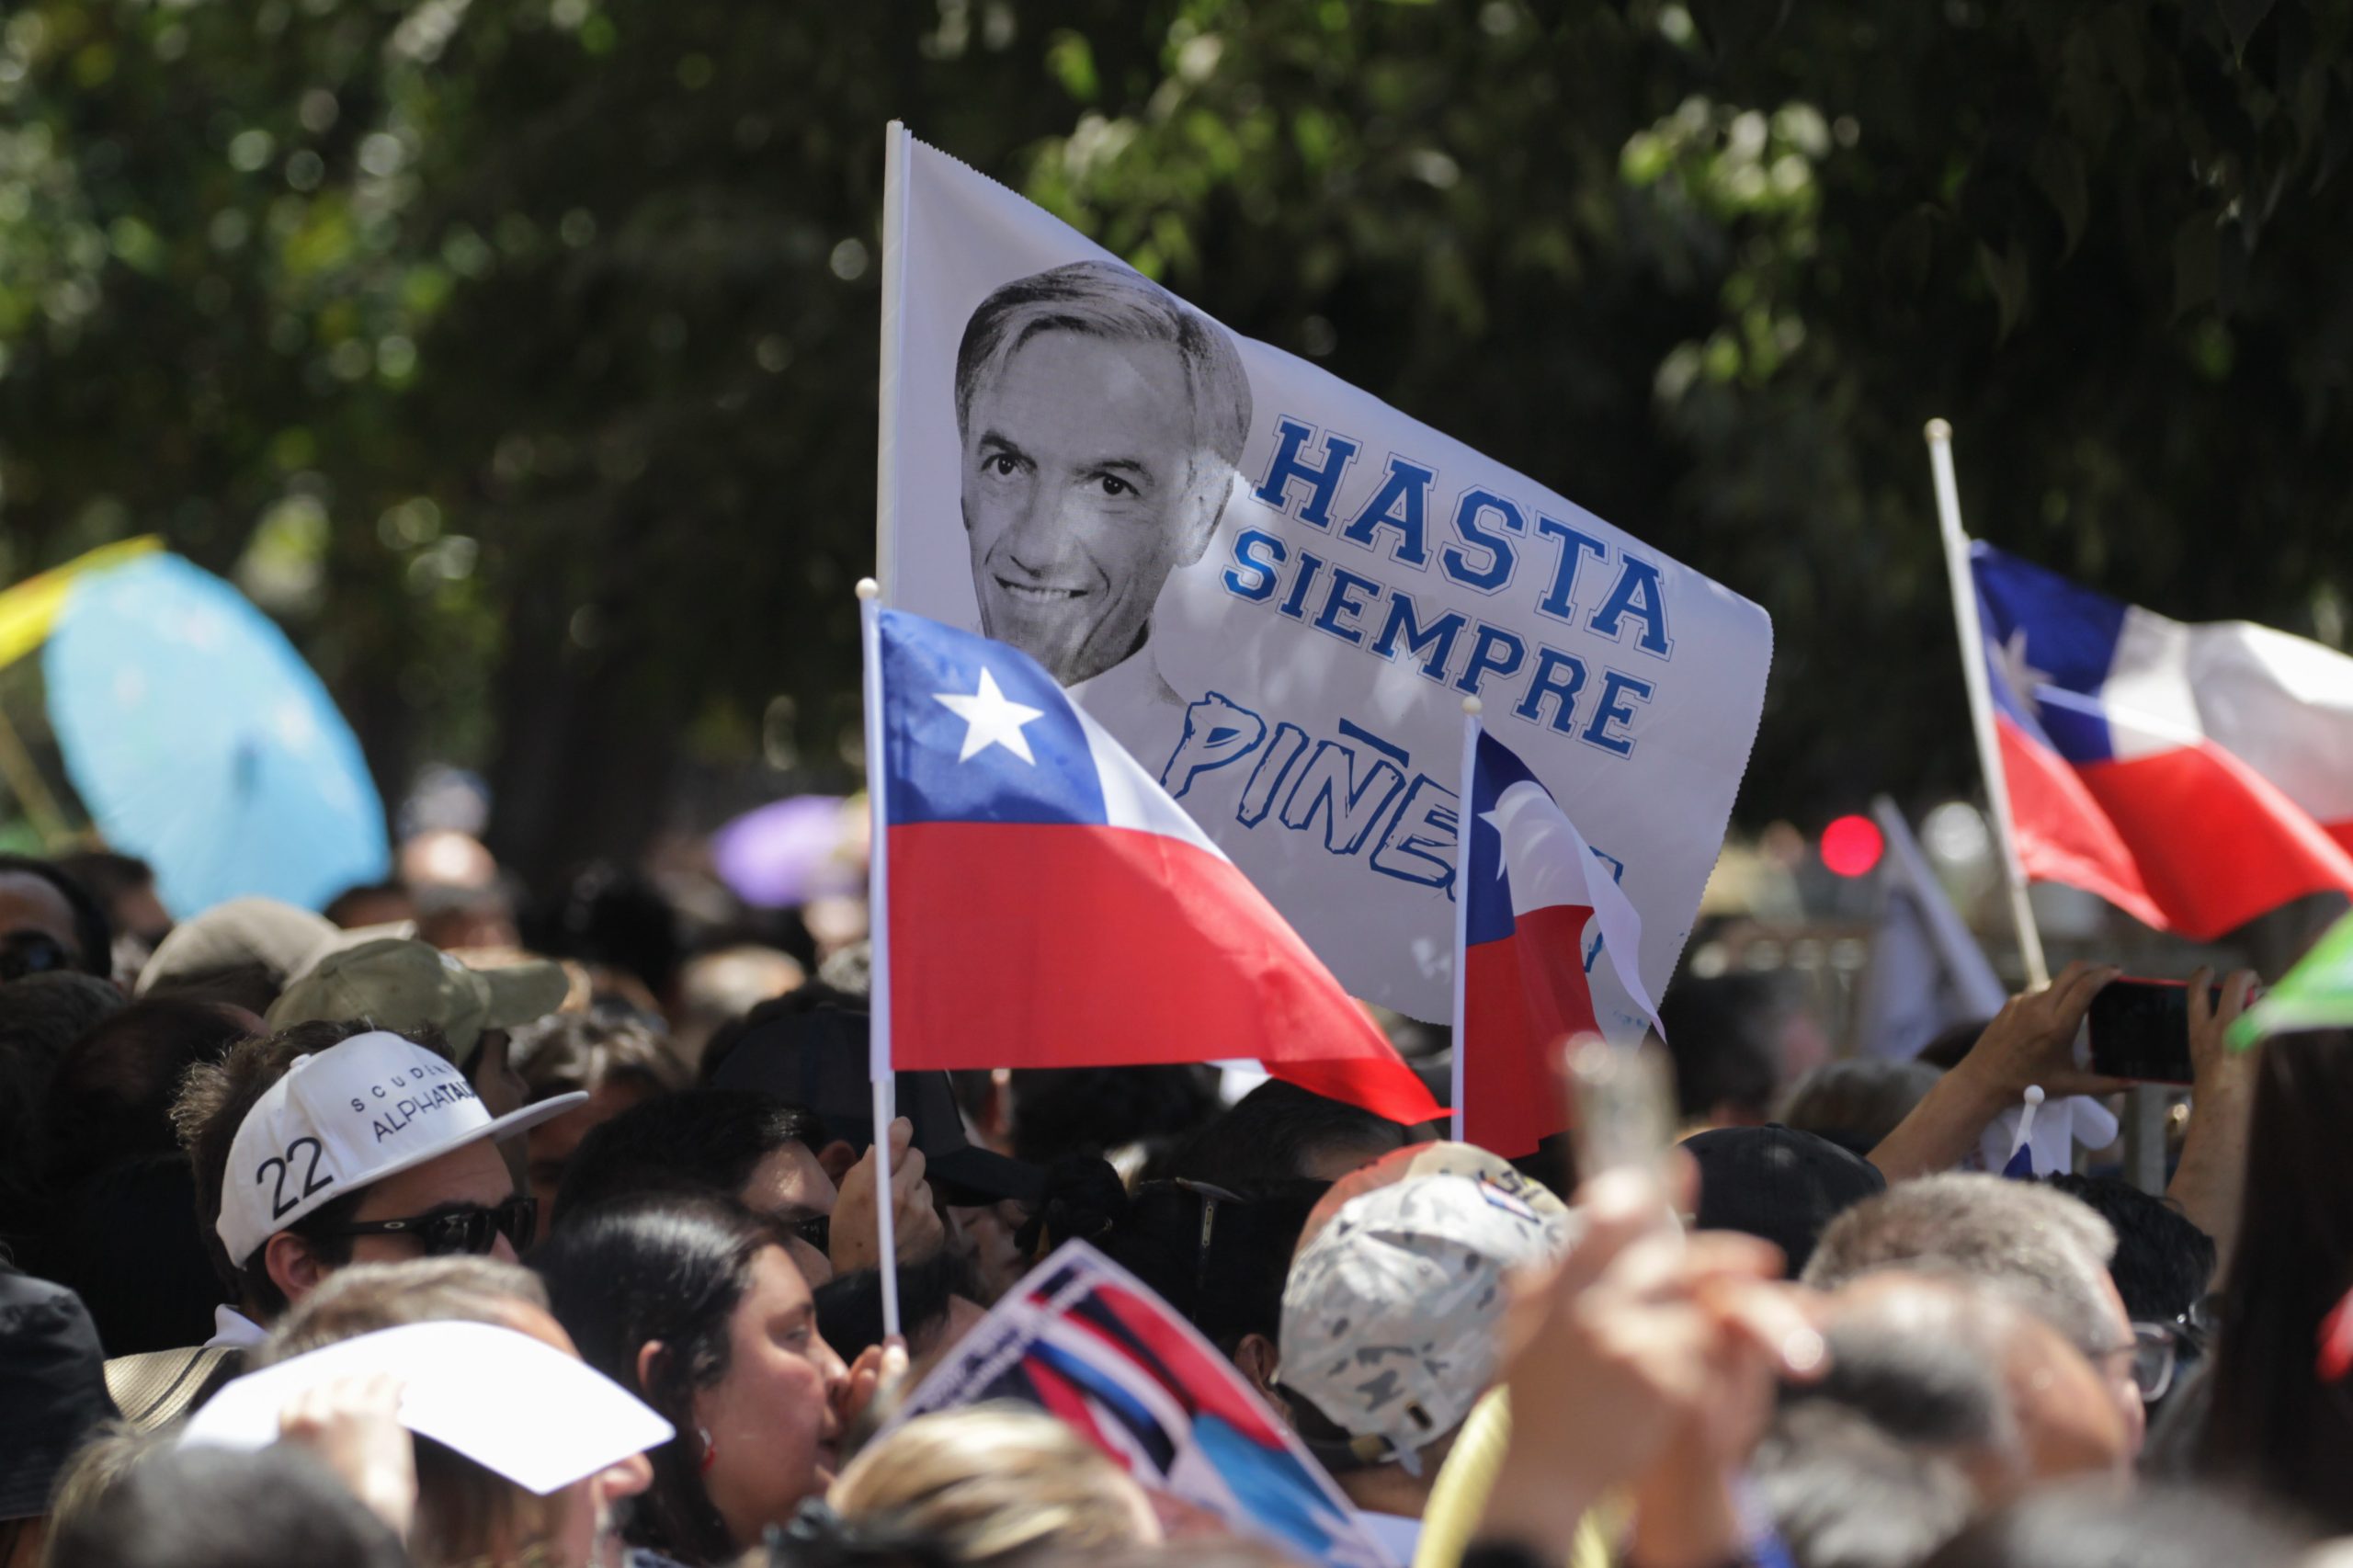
[1402, 479]
[1632, 573]
[1505, 563]
[1285, 466]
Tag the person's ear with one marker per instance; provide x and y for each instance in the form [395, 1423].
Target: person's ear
[1208, 502]
[836, 1159]
[650, 1358]
[1257, 1359]
[292, 1266]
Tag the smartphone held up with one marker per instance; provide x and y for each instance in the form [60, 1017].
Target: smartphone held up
[2140, 1029]
[1621, 1106]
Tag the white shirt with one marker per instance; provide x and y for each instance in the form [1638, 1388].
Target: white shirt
[1134, 701]
[233, 1330]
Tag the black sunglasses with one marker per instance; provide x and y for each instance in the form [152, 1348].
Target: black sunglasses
[464, 1229]
[31, 952]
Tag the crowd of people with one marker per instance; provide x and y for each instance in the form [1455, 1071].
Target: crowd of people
[382, 1237]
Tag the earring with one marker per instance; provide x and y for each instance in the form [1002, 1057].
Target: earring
[709, 1451]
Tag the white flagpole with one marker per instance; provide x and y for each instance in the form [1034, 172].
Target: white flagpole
[2026, 1119]
[1980, 699]
[898, 149]
[1463, 902]
[877, 905]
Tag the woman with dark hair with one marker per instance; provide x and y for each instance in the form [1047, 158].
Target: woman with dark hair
[693, 1305]
[2271, 1419]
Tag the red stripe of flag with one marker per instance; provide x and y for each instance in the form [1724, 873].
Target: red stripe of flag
[1522, 997]
[1172, 955]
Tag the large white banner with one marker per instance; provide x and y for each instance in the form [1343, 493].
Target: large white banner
[1276, 590]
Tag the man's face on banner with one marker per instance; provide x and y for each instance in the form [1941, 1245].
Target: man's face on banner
[1081, 494]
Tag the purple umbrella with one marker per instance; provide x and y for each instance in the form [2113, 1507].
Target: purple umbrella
[788, 852]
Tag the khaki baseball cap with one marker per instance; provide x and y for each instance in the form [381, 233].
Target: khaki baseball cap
[400, 984]
[281, 937]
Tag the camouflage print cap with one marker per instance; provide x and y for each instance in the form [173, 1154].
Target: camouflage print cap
[1390, 1312]
[397, 985]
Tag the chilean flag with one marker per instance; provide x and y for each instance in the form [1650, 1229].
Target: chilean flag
[1532, 886]
[1044, 904]
[2192, 775]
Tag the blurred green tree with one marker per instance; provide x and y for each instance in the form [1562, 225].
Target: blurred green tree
[521, 354]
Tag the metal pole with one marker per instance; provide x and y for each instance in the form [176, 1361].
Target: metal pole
[1980, 699]
[1462, 902]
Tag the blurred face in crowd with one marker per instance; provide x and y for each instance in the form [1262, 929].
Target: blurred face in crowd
[985, 1236]
[2069, 1417]
[1081, 495]
[790, 1186]
[36, 925]
[2114, 1364]
[374, 906]
[550, 1143]
[137, 912]
[582, 1512]
[773, 1419]
[2066, 1420]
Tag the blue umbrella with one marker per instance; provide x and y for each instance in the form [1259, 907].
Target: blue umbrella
[199, 740]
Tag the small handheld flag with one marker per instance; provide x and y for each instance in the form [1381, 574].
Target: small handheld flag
[1529, 889]
[1041, 902]
[2020, 1164]
[1082, 1340]
[2116, 725]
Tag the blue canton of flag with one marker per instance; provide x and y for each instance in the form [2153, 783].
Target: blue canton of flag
[976, 732]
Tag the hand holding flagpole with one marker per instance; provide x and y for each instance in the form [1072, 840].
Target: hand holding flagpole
[1980, 699]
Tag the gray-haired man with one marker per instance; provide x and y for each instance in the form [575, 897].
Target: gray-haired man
[1100, 424]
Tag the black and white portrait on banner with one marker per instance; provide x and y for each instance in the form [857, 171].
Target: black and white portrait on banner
[1102, 426]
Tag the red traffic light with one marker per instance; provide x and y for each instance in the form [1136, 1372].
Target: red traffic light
[1852, 845]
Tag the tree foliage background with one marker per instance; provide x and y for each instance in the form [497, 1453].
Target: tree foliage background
[520, 353]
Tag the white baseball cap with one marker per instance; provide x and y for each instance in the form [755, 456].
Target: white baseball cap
[365, 1109]
[1390, 1311]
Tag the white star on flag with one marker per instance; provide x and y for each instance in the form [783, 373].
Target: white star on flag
[991, 718]
[2023, 679]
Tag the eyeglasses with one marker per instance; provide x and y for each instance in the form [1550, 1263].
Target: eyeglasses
[462, 1229]
[2202, 1322]
[31, 952]
[2156, 1351]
